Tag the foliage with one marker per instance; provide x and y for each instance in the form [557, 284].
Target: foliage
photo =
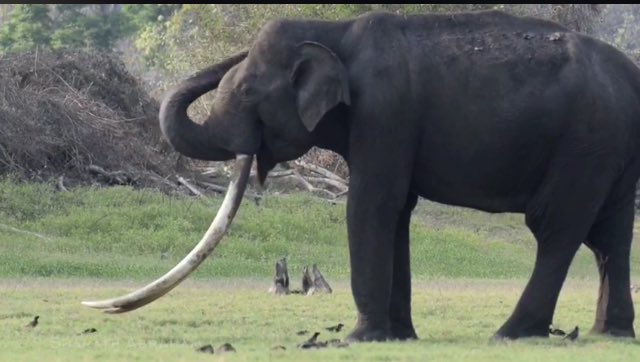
[28, 27]
[201, 34]
[621, 27]
[76, 25]
[140, 16]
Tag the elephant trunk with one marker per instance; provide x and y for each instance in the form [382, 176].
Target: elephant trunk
[186, 136]
[199, 253]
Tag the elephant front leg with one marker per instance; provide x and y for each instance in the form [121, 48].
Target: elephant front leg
[371, 238]
[372, 221]
[400, 305]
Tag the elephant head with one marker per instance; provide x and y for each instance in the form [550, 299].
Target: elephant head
[269, 102]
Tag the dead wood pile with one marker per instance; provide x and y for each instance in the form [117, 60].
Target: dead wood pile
[78, 118]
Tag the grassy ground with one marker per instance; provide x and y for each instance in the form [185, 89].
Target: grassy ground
[120, 233]
[454, 320]
[469, 269]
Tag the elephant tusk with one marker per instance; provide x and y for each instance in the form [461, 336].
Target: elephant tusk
[199, 253]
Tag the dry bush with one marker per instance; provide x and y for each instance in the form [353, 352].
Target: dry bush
[62, 111]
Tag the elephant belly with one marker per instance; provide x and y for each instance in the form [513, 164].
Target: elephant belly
[483, 170]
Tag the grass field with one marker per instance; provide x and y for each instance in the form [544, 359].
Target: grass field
[469, 269]
[454, 319]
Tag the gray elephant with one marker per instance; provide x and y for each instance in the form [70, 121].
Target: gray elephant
[484, 110]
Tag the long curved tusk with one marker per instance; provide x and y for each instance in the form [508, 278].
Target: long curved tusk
[199, 253]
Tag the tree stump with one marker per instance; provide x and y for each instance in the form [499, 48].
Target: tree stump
[281, 279]
[320, 284]
[307, 282]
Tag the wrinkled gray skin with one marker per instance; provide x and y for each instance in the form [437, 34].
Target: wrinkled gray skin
[483, 110]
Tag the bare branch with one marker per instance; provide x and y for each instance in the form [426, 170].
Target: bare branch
[116, 177]
[61, 184]
[342, 187]
[256, 197]
[309, 186]
[322, 171]
[191, 187]
[276, 174]
[11, 228]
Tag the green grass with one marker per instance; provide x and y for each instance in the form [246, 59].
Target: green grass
[469, 269]
[454, 320]
[120, 233]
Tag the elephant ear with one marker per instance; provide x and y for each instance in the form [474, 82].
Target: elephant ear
[320, 80]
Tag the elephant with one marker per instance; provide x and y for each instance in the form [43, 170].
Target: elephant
[483, 110]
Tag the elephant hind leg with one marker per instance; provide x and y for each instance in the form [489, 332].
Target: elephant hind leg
[560, 216]
[610, 240]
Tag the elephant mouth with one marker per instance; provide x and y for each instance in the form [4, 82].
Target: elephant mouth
[200, 252]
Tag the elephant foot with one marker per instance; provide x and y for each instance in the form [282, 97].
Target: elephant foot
[601, 329]
[365, 334]
[403, 333]
[509, 331]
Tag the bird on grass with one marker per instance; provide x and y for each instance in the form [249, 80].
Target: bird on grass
[311, 342]
[206, 349]
[33, 323]
[573, 335]
[227, 347]
[335, 328]
[302, 332]
[89, 330]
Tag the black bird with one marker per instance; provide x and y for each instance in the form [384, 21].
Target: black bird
[311, 342]
[89, 330]
[556, 331]
[335, 328]
[313, 338]
[302, 332]
[206, 349]
[573, 335]
[33, 323]
[227, 347]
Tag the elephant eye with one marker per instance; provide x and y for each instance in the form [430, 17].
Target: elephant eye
[246, 91]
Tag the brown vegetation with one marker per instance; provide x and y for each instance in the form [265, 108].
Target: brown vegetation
[79, 114]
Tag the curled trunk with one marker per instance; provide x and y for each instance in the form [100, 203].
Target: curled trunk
[186, 136]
